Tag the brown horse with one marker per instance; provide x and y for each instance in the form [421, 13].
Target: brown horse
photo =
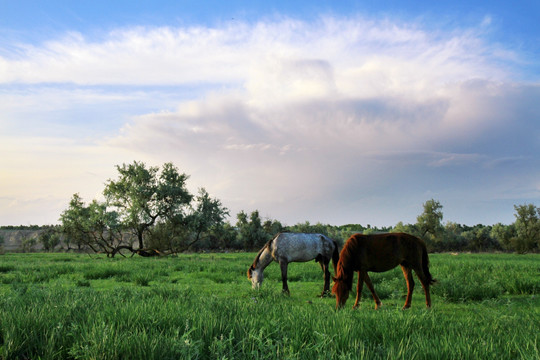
[379, 253]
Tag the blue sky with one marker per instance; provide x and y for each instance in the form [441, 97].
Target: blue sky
[339, 112]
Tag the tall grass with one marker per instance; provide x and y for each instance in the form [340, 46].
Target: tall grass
[202, 307]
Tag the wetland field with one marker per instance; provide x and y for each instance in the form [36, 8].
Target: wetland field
[201, 306]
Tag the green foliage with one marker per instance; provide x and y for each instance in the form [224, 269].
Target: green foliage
[522, 236]
[307, 227]
[250, 231]
[152, 205]
[20, 227]
[28, 244]
[504, 234]
[406, 228]
[49, 239]
[429, 223]
[143, 196]
[94, 226]
[223, 236]
[201, 306]
[201, 225]
[208, 213]
[75, 223]
[527, 228]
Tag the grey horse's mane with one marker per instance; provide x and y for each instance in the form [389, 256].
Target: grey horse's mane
[267, 245]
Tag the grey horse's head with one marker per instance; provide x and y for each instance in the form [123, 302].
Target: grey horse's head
[256, 276]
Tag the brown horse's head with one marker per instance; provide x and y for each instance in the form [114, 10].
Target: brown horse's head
[344, 276]
[341, 289]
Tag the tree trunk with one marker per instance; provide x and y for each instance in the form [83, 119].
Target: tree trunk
[140, 237]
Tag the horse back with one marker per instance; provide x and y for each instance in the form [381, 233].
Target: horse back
[382, 252]
[301, 247]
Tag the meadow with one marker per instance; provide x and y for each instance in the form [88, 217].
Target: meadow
[201, 306]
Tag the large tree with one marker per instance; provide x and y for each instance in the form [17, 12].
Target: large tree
[527, 227]
[430, 222]
[142, 196]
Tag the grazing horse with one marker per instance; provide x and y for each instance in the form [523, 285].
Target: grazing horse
[379, 253]
[289, 247]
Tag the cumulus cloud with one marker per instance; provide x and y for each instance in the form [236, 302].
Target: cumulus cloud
[319, 120]
[331, 150]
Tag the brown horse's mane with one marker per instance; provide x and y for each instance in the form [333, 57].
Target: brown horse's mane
[345, 264]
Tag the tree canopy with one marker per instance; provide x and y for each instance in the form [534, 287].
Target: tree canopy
[143, 196]
[142, 203]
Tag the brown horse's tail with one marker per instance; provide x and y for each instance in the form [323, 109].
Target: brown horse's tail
[335, 257]
[425, 266]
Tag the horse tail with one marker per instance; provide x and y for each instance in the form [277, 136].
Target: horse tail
[425, 266]
[335, 256]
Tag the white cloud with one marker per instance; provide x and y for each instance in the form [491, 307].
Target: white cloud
[233, 53]
[303, 120]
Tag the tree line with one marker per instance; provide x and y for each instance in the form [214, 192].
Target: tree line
[149, 211]
[521, 236]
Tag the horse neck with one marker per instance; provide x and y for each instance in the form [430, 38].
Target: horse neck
[344, 271]
[265, 258]
[345, 268]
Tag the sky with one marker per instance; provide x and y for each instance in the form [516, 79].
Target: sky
[323, 111]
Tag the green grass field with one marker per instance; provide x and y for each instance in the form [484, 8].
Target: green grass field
[201, 306]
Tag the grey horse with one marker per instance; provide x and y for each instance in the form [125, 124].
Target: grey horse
[295, 247]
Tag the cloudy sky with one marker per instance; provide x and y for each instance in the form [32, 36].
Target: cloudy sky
[338, 112]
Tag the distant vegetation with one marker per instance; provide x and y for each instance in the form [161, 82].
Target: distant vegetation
[149, 211]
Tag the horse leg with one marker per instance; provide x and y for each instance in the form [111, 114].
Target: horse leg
[369, 284]
[326, 290]
[407, 272]
[283, 265]
[425, 285]
[359, 286]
